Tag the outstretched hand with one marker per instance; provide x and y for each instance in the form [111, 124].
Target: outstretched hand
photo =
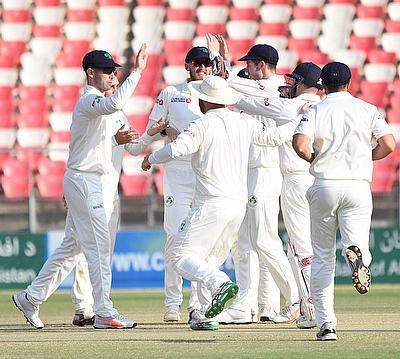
[157, 127]
[122, 137]
[223, 46]
[141, 59]
[146, 165]
[305, 107]
[212, 43]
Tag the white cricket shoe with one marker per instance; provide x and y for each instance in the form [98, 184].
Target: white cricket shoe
[288, 314]
[235, 316]
[327, 332]
[30, 311]
[198, 321]
[266, 314]
[116, 321]
[172, 314]
[303, 322]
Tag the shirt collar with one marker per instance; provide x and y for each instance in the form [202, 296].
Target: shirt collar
[309, 97]
[339, 94]
[91, 89]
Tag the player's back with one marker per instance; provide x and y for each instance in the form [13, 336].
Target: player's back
[221, 161]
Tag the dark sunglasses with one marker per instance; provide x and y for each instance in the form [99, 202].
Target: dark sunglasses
[197, 63]
[108, 71]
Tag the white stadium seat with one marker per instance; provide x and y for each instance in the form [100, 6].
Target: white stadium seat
[352, 58]
[275, 13]
[177, 30]
[393, 11]
[58, 151]
[16, 4]
[212, 14]
[246, 4]
[80, 30]
[7, 137]
[33, 137]
[304, 29]
[113, 14]
[174, 74]
[368, 27]
[287, 59]
[310, 3]
[374, 2]
[379, 72]
[60, 121]
[69, 76]
[49, 15]
[183, 4]
[154, 46]
[149, 14]
[391, 42]
[339, 13]
[331, 44]
[81, 4]
[46, 46]
[242, 29]
[14, 31]
[279, 42]
[8, 77]
[331, 28]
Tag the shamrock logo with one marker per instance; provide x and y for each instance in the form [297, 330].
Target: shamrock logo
[182, 226]
[253, 201]
[106, 54]
[169, 201]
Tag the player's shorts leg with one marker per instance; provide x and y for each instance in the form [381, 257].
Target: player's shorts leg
[209, 221]
[354, 217]
[83, 193]
[324, 202]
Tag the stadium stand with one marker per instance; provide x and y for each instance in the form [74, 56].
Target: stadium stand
[42, 43]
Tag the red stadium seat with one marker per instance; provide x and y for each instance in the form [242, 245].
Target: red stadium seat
[307, 13]
[14, 167]
[378, 100]
[138, 122]
[47, 2]
[46, 31]
[202, 29]
[239, 48]
[6, 120]
[27, 93]
[395, 101]
[243, 13]
[284, 70]
[214, 2]
[30, 156]
[176, 50]
[68, 60]
[141, 2]
[181, 14]
[362, 43]
[374, 88]
[14, 15]
[60, 136]
[4, 156]
[317, 57]
[48, 167]
[136, 185]
[381, 56]
[13, 49]
[300, 45]
[392, 25]
[343, 1]
[36, 119]
[278, 2]
[393, 116]
[50, 186]
[81, 15]
[6, 61]
[77, 47]
[383, 176]
[374, 12]
[277, 28]
[159, 181]
[15, 187]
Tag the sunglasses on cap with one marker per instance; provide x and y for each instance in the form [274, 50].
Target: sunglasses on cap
[197, 63]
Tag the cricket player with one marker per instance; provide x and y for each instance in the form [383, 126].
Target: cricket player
[89, 160]
[335, 137]
[260, 226]
[219, 143]
[303, 85]
[81, 290]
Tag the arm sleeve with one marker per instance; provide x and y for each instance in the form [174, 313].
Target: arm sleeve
[95, 105]
[186, 143]
[379, 126]
[270, 135]
[306, 125]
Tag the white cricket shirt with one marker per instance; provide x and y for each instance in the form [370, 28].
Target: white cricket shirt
[281, 110]
[220, 143]
[340, 128]
[90, 146]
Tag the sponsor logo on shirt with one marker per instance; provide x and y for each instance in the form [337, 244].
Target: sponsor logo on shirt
[98, 206]
[304, 119]
[96, 100]
[266, 102]
[181, 99]
[160, 101]
[189, 133]
[182, 226]
[261, 87]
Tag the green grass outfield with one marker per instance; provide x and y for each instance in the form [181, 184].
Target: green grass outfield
[368, 327]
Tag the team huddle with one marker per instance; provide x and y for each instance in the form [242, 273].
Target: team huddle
[237, 149]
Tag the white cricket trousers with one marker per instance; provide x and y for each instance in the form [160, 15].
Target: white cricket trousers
[81, 290]
[259, 241]
[179, 183]
[296, 216]
[211, 223]
[343, 204]
[84, 195]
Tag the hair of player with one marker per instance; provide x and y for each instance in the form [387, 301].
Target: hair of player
[331, 89]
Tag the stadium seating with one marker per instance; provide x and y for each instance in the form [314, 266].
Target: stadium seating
[42, 43]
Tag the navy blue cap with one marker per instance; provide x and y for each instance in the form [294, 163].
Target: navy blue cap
[335, 74]
[308, 73]
[197, 53]
[262, 52]
[243, 73]
[98, 59]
